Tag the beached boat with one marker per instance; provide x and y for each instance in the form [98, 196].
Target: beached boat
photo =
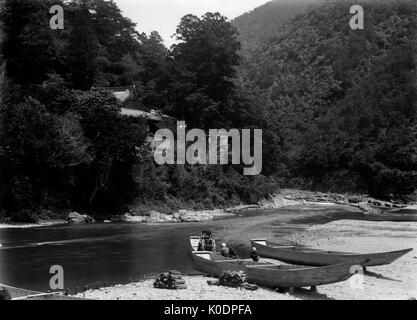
[25, 294]
[391, 217]
[272, 275]
[315, 257]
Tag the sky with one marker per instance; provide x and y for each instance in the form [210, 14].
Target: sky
[164, 15]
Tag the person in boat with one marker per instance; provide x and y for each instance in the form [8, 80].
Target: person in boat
[4, 294]
[224, 250]
[206, 234]
[206, 243]
[232, 253]
[254, 255]
[200, 245]
[228, 252]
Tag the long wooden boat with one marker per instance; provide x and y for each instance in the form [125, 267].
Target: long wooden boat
[25, 294]
[315, 257]
[272, 275]
[392, 217]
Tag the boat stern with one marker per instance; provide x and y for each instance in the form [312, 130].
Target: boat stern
[262, 242]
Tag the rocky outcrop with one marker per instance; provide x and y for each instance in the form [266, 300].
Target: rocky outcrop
[241, 208]
[128, 217]
[75, 217]
[287, 197]
[153, 216]
[193, 216]
[198, 216]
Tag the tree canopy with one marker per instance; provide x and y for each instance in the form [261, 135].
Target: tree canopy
[342, 101]
[337, 106]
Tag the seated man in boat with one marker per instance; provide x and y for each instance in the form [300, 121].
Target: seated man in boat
[232, 253]
[254, 255]
[224, 250]
[200, 245]
[228, 252]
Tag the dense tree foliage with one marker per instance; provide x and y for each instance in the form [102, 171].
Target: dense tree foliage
[262, 23]
[337, 106]
[98, 46]
[342, 102]
[203, 67]
[79, 158]
[65, 146]
[2, 65]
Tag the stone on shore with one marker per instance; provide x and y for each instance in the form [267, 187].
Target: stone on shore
[128, 217]
[75, 217]
[198, 216]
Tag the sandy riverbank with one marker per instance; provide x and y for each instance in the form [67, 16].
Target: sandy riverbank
[32, 225]
[396, 281]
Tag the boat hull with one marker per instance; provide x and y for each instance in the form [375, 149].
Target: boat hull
[304, 277]
[391, 217]
[272, 275]
[24, 294]
[312, 257]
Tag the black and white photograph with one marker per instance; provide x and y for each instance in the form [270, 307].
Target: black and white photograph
[188, 151]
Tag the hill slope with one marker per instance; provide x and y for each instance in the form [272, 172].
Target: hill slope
[342, 102]
[265, 21]
[1, 41]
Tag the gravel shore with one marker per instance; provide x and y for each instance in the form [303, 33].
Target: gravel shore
[197, 289]
[32, 225]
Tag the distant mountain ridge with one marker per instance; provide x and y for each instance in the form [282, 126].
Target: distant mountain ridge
[264, 22]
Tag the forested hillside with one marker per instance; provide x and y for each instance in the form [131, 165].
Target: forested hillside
[337, 106]
[264, 22]
[1, 40]
[342, 103]
[64, 146]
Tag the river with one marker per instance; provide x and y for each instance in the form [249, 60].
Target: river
[105, 254]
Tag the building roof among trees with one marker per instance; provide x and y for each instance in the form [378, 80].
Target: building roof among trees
[131, 104]
[153, 115]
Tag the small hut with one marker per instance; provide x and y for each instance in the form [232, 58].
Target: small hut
[132, 106]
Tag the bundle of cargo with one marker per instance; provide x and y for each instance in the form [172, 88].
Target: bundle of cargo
[170, 280]
[233, 279]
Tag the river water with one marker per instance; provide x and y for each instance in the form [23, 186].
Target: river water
[105, 254]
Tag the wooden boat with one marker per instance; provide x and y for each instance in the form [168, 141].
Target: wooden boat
[315, 257]
[270, 274]
[392, 217]
[25, 294]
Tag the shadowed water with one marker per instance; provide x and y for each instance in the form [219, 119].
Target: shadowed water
[105, 254]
